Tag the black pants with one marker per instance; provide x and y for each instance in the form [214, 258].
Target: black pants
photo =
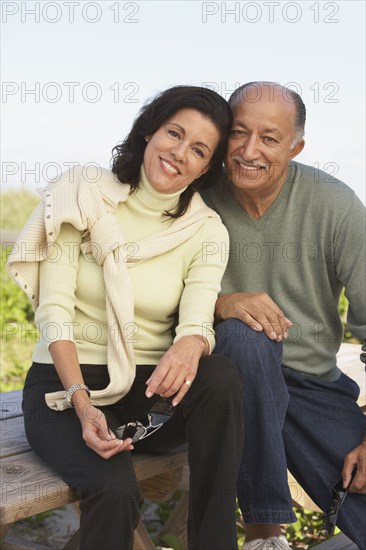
[209, 419]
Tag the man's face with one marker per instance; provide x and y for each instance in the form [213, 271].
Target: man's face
[262, 139]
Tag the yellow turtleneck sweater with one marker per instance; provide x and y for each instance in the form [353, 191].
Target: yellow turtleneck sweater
[184, 281]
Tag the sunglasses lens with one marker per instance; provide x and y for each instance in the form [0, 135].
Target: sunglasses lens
[136, 430]
[140, 433]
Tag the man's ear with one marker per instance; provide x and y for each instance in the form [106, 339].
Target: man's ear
[297, 148]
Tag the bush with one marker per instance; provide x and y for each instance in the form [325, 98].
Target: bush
[18, 333]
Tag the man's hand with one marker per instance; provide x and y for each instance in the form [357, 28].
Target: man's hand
[177, 366]
[355, 459]
[257, 310]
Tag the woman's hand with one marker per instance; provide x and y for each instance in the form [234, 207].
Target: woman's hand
[96, 433]
[177, 367]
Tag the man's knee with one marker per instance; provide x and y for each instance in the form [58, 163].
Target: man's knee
[235, 331]
[234, 337]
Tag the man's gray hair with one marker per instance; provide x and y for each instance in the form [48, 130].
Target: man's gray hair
[290, 95]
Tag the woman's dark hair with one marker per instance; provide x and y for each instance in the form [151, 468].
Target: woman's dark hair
[128, 156]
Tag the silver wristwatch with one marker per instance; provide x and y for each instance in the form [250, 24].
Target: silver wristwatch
[72, 389]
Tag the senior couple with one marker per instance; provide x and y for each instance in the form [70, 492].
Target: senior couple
[148, 254]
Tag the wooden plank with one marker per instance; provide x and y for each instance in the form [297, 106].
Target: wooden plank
[161, 487]
[13, 439]
[10, 404]
[30, 487]
[339, 542]
[142, 540]
[13, 543]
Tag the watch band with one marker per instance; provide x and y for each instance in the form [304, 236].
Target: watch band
[72, 389]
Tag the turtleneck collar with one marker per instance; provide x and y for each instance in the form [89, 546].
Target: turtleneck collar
[152, 199]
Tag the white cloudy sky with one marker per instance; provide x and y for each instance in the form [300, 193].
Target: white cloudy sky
[91, 66]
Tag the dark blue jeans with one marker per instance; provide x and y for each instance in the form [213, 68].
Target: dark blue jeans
[292, 421]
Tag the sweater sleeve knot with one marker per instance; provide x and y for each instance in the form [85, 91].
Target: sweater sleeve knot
[106, 237]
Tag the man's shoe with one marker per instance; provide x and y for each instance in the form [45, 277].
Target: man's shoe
[271, 543]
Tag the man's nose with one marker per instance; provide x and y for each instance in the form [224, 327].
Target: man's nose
[250, 148]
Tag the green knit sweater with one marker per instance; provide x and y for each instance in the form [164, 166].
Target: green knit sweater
[307, 246]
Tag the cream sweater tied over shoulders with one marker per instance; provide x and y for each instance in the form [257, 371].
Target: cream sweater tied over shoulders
[89, 204]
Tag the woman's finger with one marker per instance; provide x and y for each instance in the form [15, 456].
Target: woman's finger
[183, 390]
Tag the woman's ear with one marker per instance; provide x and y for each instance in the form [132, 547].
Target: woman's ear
[206, 168]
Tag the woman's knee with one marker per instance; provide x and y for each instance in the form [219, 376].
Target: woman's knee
[220, 375]
[113, 483]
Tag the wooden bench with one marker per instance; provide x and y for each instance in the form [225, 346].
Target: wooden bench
[29, 487]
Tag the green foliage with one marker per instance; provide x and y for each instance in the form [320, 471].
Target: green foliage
[39, 518]
[343, 308]
[307, 531]
[15, 307]
[304, 534]
[172, 541]
[16, 207]
[18, 334]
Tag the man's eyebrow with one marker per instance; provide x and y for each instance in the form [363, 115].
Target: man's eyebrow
[272, 131]
[201, 143]
[238, 122]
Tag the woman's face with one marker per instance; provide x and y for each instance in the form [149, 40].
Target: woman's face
[180, 151]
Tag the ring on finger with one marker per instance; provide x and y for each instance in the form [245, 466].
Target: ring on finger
[188, 382]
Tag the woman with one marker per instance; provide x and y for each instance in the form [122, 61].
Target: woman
[128, 278]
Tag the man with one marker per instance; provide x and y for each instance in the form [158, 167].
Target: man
[296, 239]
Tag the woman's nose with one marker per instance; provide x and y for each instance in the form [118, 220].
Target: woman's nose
[179, 151]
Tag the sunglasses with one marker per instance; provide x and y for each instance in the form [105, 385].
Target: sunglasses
[339, 494]
[136, 430]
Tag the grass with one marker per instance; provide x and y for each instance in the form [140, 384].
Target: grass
[16, 206]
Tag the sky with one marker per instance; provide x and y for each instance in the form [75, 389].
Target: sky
[75, 74]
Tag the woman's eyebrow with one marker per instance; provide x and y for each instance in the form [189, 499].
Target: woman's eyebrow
[184, 132]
